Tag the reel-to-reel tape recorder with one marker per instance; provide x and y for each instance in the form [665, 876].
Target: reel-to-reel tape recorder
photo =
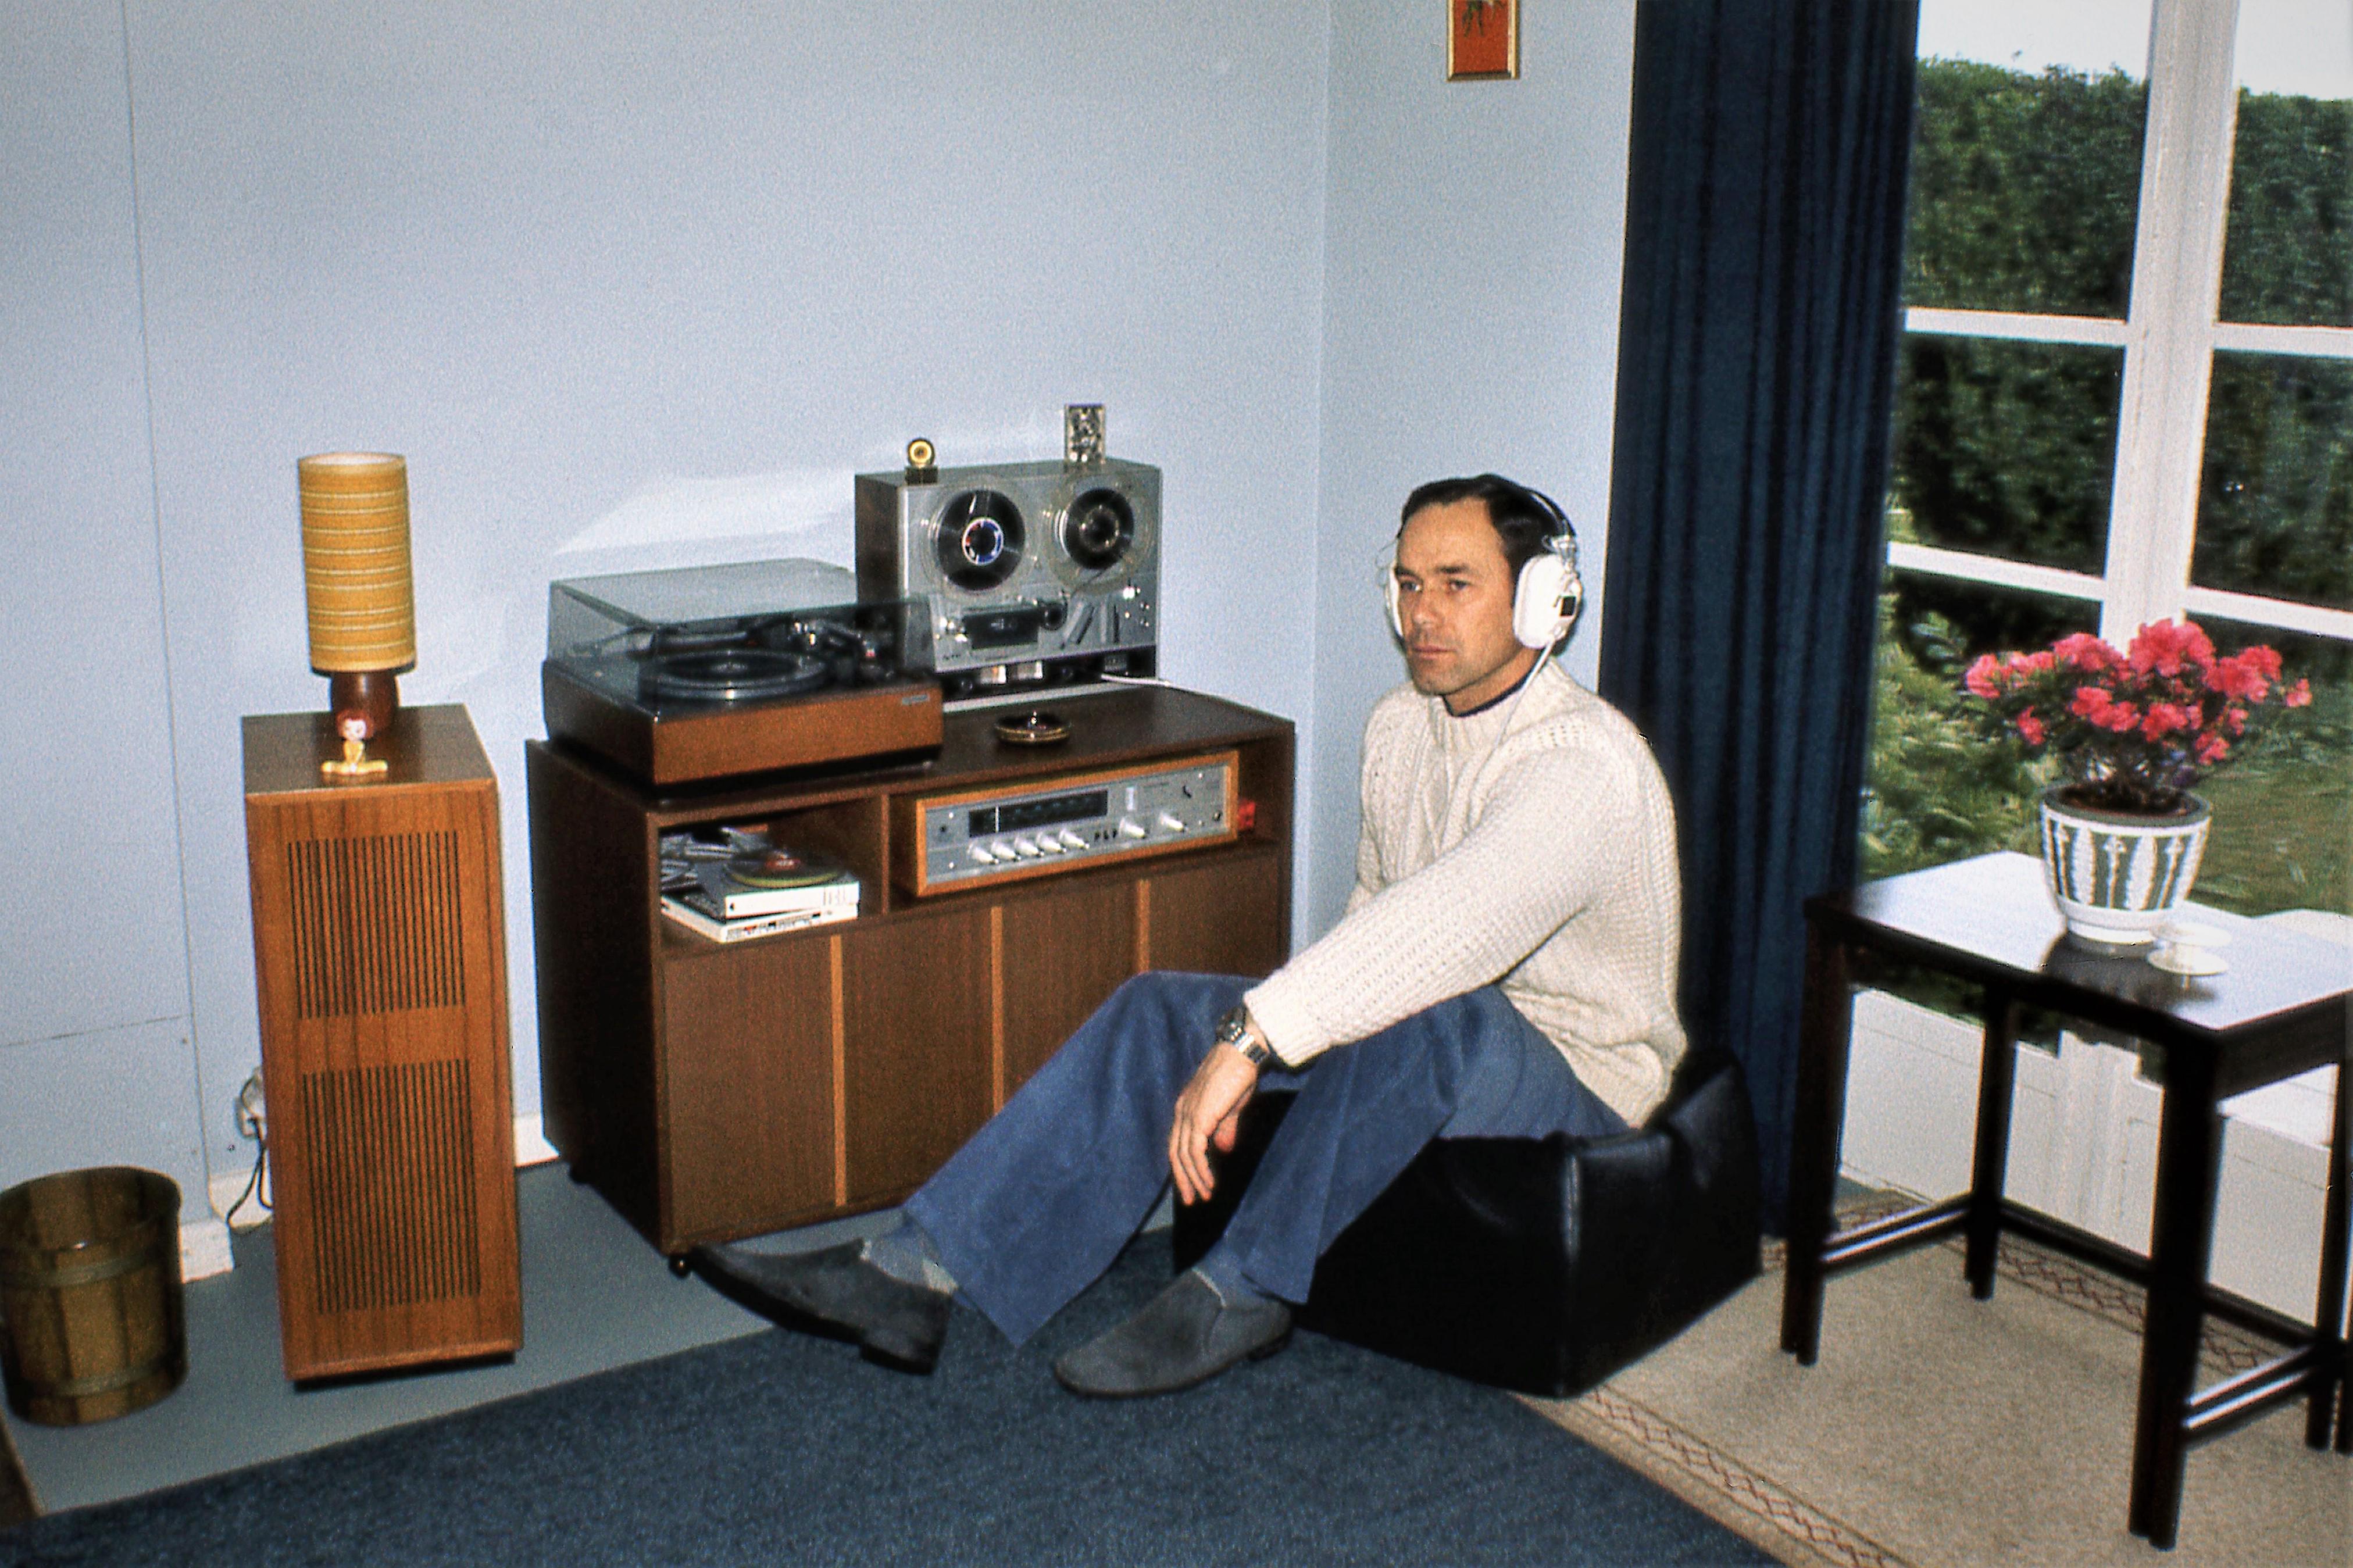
[1034, 574]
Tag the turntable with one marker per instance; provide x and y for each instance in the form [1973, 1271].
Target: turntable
[703, 672]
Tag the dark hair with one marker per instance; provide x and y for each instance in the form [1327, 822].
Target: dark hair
[1524, 520]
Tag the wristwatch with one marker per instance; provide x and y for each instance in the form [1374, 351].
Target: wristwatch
[1234, 1029]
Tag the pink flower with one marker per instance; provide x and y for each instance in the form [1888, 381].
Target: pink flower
[2238, 677]
[2145, 720]
[2165, 647]
[1983, 680]
[2081, 650]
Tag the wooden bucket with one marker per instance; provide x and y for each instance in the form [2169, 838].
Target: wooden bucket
[90, 1317]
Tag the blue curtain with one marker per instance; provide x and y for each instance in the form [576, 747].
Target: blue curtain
[1755, 375]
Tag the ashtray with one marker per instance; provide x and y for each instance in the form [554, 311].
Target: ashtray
[1034, 728]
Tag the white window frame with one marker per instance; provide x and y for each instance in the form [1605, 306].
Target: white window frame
[2169, 336]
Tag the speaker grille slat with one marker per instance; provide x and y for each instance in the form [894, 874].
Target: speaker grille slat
[394, 1218]
[377, 924]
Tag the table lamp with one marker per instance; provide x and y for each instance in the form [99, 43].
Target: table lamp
[362, 598]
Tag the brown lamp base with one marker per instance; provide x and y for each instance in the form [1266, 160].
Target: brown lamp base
[373, 694]
[364, 701]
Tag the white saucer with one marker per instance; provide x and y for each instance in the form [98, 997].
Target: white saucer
[2187, 961]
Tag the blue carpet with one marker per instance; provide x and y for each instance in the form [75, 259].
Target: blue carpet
[777, 1447]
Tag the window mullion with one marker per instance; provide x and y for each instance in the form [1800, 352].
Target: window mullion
[2177, 281]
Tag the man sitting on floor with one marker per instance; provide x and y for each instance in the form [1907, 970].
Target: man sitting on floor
[1506, 968]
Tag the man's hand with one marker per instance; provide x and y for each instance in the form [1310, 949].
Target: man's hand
[1206, 1113]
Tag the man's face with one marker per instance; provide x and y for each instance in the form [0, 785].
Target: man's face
[1454, 597]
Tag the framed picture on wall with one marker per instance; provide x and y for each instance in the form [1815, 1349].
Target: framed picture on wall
[1483, 40]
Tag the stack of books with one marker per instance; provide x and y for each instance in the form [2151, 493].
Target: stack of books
[733, 884]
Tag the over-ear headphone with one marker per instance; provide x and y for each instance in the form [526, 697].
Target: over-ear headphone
[1548, 595]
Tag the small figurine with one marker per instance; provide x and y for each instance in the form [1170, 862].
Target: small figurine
[353, 725]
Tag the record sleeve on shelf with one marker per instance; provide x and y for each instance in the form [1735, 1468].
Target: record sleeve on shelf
[731, 873]
[722, 902]
[679, 910]
[725, 889]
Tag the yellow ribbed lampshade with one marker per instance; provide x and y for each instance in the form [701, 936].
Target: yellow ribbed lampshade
[355, 568]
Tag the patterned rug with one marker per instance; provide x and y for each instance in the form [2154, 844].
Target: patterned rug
[1940, 1431]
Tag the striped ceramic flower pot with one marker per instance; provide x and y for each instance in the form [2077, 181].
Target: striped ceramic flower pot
[2116, 876]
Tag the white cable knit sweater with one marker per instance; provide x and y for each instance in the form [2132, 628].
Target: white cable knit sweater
[1544, 857]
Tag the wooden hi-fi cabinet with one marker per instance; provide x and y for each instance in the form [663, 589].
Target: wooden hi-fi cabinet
[715, 1091]
[379, 955]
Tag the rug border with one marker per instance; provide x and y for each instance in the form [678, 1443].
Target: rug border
[1586, 1419]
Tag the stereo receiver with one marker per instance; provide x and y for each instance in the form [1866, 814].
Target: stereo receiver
[1038, 828]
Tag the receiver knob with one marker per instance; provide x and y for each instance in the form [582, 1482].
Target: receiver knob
[1069, 841]
[1169, 823]
[1131, 829]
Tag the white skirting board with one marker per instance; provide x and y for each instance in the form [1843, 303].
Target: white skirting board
[204, 1248]
[2082, 1142]
[204, 1243]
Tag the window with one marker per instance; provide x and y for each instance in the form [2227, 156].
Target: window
[2126, 394]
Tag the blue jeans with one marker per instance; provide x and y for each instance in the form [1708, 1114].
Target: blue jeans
[1038, 1203]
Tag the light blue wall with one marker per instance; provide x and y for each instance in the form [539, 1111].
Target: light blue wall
[639, 284]
[629, 284]
[1471, 245]
[96, 1063]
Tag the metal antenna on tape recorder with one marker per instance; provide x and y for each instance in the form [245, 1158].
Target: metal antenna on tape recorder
[1034, 574]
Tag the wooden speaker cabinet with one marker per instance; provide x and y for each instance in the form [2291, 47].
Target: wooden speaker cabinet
[379, 955]
[715, 1091]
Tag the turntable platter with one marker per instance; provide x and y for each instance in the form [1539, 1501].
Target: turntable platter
[729, 675]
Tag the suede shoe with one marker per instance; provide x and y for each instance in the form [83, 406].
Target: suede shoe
[834, 1292]
[1186, 1335]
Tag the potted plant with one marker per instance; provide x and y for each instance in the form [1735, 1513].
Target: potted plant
[2133, 732]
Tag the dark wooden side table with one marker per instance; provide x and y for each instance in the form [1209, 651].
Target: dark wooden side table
[2280, 1010]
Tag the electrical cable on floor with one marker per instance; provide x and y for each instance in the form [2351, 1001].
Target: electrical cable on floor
[250, 1122]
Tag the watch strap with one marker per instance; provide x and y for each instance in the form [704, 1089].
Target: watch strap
[1234, 1029]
